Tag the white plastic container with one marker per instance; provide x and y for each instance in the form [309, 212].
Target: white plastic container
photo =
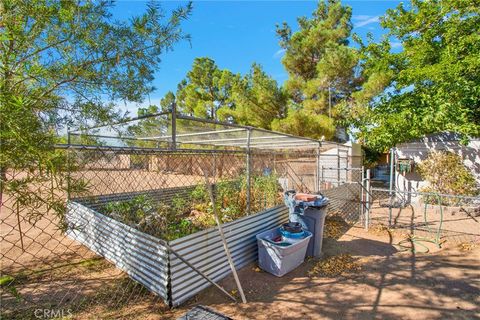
[279, 260]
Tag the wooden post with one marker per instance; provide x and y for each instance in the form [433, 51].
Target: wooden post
[19, 225]
[198, 271]
[224, 240]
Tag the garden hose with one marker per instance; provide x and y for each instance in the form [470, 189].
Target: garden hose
[415, 241]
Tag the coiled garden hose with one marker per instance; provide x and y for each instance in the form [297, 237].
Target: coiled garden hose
[415, 241]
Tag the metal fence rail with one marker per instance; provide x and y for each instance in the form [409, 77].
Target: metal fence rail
[455, 218]
[205, 251]
[140, 255]
[37, 245]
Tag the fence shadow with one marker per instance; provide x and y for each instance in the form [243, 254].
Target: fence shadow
[391, 285]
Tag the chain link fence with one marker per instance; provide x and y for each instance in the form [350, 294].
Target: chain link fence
[343, 187]
[161, 192]
[453, 219]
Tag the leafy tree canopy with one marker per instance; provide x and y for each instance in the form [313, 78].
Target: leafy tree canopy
[432, 85]
[214, 93]
[206, 89]
[66, 62]
[258, 100]
[321, 66]
[304, 124]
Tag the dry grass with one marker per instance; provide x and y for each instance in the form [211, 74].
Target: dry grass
[467, 246]
[335, 227]
[335, 266]
[380, 229]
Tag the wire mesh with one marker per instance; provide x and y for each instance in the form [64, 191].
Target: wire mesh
[152, 186]
[455, 217]
[161, 192]
[343, 187]
[182, 131]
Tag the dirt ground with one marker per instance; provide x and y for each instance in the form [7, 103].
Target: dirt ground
[443, 284]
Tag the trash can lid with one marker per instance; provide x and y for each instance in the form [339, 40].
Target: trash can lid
[300, 201]
[305, 197]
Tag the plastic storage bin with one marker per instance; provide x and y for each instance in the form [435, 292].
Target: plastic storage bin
[279, 259]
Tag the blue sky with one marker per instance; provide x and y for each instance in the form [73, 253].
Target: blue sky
[237, 33]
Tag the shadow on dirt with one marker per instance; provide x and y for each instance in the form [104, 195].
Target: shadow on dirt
[390, 285]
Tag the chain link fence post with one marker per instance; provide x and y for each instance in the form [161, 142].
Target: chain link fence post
[391, 185]
[249, 169]
[174, 126]
[367, 200]
[338, 165]
[362, 196]
[317, 169]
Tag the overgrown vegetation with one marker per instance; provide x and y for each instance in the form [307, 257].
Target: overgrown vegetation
[186, 214]
[446, 173]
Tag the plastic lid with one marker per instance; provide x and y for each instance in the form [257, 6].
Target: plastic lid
[305, 197]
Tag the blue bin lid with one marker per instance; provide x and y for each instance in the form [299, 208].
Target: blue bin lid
[297, 235]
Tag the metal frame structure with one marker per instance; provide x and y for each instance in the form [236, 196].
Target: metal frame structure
[180, 132]
[216, 134]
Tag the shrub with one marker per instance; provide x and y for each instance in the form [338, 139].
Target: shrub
[188, 214]
[446, 174]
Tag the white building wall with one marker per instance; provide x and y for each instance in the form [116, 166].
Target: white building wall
[418, 150]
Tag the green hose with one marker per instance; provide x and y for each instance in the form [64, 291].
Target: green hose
[415, 241]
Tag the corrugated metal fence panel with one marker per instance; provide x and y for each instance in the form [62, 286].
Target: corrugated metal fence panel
[205, 251]
[140, 255]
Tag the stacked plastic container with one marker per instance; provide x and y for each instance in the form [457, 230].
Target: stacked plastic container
[282, 249]
[279, 254]
[310, 211]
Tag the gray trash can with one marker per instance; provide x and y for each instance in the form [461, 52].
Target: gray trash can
[280, 258]
[311, 214]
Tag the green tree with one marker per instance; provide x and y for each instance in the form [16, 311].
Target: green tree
[258, 100]
[432, 85]
[320, 64]
[206, 90]
[166, 103]
[305, 124]
[67, 62]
